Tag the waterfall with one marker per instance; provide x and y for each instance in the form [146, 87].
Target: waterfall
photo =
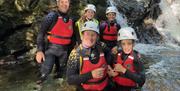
[119, 16]
[168, 23]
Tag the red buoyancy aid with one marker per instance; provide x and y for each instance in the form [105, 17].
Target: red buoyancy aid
[128, 64]
[97, 84]
[111, 34]
[61, 33]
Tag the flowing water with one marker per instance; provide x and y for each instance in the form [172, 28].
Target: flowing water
[162, 62]
[168, 23]
[121, 19]
[162, 67]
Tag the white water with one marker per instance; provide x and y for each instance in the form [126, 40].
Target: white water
[168, 23]
[164, 67]
[119, 17]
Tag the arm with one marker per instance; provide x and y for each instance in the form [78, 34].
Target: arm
[45, 25]
[138, 77]
[118, 26]
[106, 51]
[73, 38]
[73, 76]
[101, 30]
[76, 29]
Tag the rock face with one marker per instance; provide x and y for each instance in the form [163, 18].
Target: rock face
[18, 23]
[20, 20]
[141, 15]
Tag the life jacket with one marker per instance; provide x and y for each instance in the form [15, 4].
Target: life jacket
[128, 64]
[61, 33]
[110, 32]
[97, 84]
[80, 24]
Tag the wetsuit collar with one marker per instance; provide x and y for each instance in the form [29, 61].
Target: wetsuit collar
[62, 14]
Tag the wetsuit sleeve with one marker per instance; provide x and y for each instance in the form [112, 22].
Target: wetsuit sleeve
[101, 30]
[77, 33]
[45, 25]
[107, 52]
[138, 77]
[73, 39]
[73, 76]
[118, 27]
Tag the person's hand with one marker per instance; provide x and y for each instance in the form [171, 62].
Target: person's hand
[40, 56]
[111, 72]
[98, 73]
[83, 17]
[119, 68]
[114, 50]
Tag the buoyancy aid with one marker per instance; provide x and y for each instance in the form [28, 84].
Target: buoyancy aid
[128, 64]
[110, 32]
[61, 33]
[97, 84]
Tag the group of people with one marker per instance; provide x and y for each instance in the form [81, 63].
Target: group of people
[92, 56]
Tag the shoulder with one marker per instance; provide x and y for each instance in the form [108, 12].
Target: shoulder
[118, 25]
[137, 54]
[52, 14]
[103, 24]
[101, 46]
[74, 53]
[95, 20]
[78, 21]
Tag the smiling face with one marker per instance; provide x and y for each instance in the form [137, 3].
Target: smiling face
[89, 14]
[127, 45]
[111, 16]
[89, 38]
[63, 5]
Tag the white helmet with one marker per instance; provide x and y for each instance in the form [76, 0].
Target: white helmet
[127, 33]
[91, 7]
[111, 9]
[90, 25]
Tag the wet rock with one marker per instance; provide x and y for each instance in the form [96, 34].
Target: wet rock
[10, 59]
[141, 14]
[18, 23]
[1, 2]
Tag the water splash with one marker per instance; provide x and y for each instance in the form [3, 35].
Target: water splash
[163, 71]
[121, 19]
[168, 23]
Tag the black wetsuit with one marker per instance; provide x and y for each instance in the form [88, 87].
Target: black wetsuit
[54, 53]
[73, 76]
[138, 77]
